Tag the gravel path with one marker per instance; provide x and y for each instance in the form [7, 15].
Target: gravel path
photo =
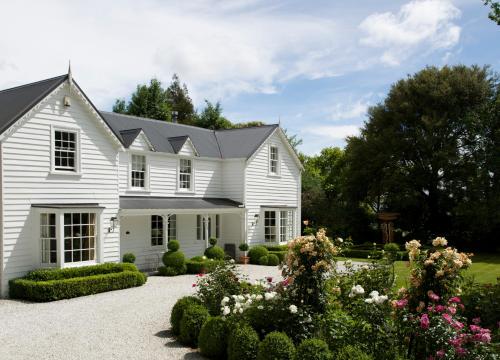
[125, 324]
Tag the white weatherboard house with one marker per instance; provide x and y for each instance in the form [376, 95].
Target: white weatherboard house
[81, 186]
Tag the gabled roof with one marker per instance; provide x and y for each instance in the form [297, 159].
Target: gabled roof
[170, 137]
[17, 101]
[128, 136]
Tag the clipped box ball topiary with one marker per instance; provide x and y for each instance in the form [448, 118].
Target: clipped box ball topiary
[169, 271]
[276, 346]
[272, 260]
[215, 252]
[351, 352]
[256, 252]
[175, 260]
[243, 343]
[129, 258]
[178, 310]
[212, 241]
[264, 260]
[192, 320]
[173, 245]
[313, 349]
[213, 338]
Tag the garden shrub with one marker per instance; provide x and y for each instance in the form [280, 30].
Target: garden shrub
[351, 352]
[192, 320]
[482, 301]
[272, 260]
[82, 271]
[215, 252]
[264, 260]
[168, 271]
[276, 346]
[174, 259]
[256, 252]
[391, 247]
[173, 245]
[129, 258]
[212, 241]
[178, 310]
[277, 247]
[280, 254]
[204, 266]
[337, 329]
[243, 247]
[243, 343]
[213, 338]
[71, 287]
[313, 349]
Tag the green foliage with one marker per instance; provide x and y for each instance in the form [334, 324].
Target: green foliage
[272, 260]
[351, 352]
[71, 287]
[277, 248]
[179, 101]
[313, 349]
[173, 245]
[391, 247]
[243, 343]
[337, 329]
[482, 301]
[202, 266]
[82, 271]
[211, 117]
[129, 258]
[212, 288]
[280, 254]
[192, 320]
[370, 254]
[276, 346]
[178, 311]
[213, 338]
[212, 241]
[215, 252]
[170, 271]
[494, 14]
[243, 247]
[264, 260]
[176, 261]
[256, 252]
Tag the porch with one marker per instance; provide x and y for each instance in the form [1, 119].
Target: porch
[148, 223]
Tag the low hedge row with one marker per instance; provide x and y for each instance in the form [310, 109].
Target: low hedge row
[273, 248]
[51, 290]
[68, 273]
[196, 266]
[363, 254]
[280, 254]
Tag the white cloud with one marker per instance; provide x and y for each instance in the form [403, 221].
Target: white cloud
[350, 111]
[334, 132]
[419, 26]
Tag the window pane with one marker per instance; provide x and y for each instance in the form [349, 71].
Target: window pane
[138, 174]
[172, 227]
[156, 230]
[79, 237]
[270, 226]
[185, 173]
[48, 240]
[65, 150]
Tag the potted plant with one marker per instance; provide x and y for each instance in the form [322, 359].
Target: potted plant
[244, 259]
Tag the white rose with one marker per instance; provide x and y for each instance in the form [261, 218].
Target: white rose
[369, 301]
[224, 301]
[293, 309]
[374, 293]
[260, 307]
[226, 310]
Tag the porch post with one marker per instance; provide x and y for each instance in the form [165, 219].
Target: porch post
[166, 220]
[205, 229]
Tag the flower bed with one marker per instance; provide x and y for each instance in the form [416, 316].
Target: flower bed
[56, 284]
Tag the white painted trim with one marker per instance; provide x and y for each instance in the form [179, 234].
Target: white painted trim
[78, 164]
[146, 188]
[192, 189]
[276, 174]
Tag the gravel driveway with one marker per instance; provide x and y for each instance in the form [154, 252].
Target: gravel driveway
[124, 324]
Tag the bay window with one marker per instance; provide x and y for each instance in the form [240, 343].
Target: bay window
[279, 225]
[48, 238]
[79, 237]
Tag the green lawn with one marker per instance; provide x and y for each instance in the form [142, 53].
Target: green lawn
[485, 268]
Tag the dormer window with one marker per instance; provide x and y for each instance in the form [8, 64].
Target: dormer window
[185, 175]
[273, 160]
[138, 172]
[65, 150]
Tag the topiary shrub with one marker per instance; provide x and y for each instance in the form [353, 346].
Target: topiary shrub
[214, 252]
[280, 254]
[272, 260]
[178, 311]
[243, 247]
[243, 343]
[192, 320]
[276, 346]
[313, 349]
[256, 253]
[129, 258]
[391, 247]
[168, 271]
[173, 245]
[175, 260]
[212, 241]
[264, 260]
[213, 338]
[351, 352]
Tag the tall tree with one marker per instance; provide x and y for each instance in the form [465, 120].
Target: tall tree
[293, 140]
[179, 101]
[149, 101]
[424, 150]
[495, 10]
[211, 117]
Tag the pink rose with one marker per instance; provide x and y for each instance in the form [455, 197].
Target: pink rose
[476, 320]
[424, 321]
[434, 297]
[452, 310]
[455, 299]
[440, 353]
[401, 303]
[475, 328]
[440, 308]
[447, 317]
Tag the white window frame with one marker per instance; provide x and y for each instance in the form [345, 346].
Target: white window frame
[78, 150]
[44, 239]
[159, 220]
[275, 226]
[191, 176]
[284, 231]
[81, 249]
[277, 161]
[212, 230]
[217, 226]
[172, 227]
[146, 173]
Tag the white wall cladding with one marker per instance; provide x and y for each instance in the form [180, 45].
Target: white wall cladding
[140, 144]
[26, 156]
[265, 189]
[233, 175]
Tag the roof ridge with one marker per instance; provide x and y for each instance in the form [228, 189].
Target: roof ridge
[248, 127]
[134, 129]
[33, 83]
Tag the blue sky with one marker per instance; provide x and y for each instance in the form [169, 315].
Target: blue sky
[314, 65]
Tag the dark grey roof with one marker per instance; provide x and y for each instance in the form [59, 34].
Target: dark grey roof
[167, 137]
[177, 142]
[16, 102]
[128, 136]
[67, 205]
[156, 202]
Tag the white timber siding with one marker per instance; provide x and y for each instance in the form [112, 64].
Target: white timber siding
[262, 188]
[140, 144]
[233, 178]
[27, 179]
[187, 149]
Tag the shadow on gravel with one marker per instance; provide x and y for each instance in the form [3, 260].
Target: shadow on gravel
[164, 334]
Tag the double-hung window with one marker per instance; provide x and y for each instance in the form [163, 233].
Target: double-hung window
[172, 227]
[65, 150]
[278, 225]
[270, 226]
[138, 172]
[79, 237]
[185, 174]
[48, 238]
[156, 230]
[286, 225]
[273, 160]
